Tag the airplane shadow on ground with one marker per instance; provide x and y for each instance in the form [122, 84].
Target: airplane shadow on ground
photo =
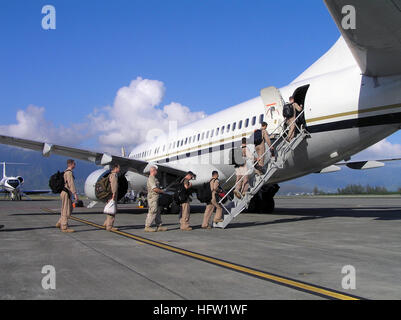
[378, 213]
[305, 214]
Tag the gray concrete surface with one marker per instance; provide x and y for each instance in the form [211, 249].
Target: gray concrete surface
[308, 239]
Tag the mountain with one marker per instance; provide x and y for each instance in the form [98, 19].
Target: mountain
[39, 168]
[388, 176]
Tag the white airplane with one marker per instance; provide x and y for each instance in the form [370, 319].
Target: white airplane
[351, 98]
[12, 186]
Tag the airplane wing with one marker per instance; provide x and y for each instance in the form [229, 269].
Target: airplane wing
[375, 41]
[358, 165]
[98, 158]
[366, 164]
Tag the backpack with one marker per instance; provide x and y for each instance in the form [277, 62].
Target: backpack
[236, 157]
[180, 195]
[165, 200]
[205, 193]
[103, 189]
[56, 182]
[288, 111]
[258, 137]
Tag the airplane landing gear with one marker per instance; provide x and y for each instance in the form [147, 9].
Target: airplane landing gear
[263, 202]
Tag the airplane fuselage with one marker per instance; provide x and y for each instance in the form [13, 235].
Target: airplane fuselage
[345, 113]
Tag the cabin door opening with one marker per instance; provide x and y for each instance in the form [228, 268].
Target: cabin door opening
[300, 97]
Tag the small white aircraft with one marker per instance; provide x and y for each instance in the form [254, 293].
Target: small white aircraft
[351, 98]
[12, 186]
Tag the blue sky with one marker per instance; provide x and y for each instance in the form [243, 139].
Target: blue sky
[209, 54]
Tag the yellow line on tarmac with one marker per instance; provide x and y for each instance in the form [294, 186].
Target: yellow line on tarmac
[302, 286]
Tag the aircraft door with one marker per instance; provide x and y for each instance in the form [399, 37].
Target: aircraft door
[273, 104]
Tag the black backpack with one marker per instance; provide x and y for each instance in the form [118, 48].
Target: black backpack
[56, 182]
[180, 195]
[205, 193]
[258, 137]
[236, 157]
[165, 200]
[288, 111]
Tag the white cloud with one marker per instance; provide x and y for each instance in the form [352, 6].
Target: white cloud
[381, 150]
[136, 111]
[31, 124]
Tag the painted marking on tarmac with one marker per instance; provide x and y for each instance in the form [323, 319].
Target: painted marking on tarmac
[277, 279]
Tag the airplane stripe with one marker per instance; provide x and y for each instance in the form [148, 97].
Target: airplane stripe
[391, 118]
[384, 119]
[356, 112]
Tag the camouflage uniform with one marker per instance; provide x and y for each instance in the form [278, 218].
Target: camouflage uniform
[153, 203]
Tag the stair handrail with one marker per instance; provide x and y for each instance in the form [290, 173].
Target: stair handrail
[281, 125]
[262, 156]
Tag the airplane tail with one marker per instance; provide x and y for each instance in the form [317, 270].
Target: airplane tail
[4, 169]
[12, 163]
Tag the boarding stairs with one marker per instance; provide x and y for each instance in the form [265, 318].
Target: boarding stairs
[233, 206]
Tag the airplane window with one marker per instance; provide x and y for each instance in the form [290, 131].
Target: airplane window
[261, 118]
[186, 140]
[228, 128]
[253, 121]
[246, 123]
[198, 136]
[217, 131]
[222, 130]
[240, 125]
[207, 135]
[190, 140]
[234, 126]
[211, 133]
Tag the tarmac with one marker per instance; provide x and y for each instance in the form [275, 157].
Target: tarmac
[297, 253]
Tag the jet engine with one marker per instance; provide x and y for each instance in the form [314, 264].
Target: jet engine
[95, 176]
